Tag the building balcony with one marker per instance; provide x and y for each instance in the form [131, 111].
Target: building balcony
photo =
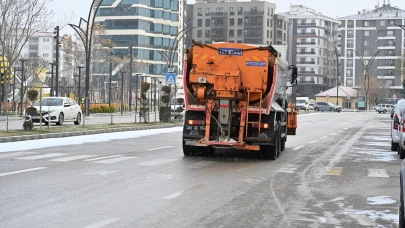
[253, 13]
[385, 47]
[306, 34]
[306, 24]
[386, 38]
[307, 82]
[306, 72]
[386, 67]
[306, 62]
[306, 43]
[306, 53]
[254, 25]
[218, 14]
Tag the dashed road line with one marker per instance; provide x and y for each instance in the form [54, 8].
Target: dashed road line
[297, 148]
[73, 158]
[113, 160]
[102, 223]
[332, 134]
[288, 169]
[36, 157]
[21, 171]
[158, 162]
[313, 141]
[182, 192]
[160, 148]
[101, 158]
[16, 154]
[378, 173]
[324, 137]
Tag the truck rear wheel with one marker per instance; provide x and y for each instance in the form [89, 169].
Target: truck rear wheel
[271, 151]
[188, 150]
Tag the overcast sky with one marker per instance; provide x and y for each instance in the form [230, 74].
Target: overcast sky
[331, 8]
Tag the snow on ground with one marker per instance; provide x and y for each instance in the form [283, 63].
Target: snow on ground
[380, 200]
[76, 140]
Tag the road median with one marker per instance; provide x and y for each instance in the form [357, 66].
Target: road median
[60, 132]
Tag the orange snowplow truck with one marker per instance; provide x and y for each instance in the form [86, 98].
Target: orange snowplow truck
[236, 98]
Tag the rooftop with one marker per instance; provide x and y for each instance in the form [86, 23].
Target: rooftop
[385, 11]
[343, 92]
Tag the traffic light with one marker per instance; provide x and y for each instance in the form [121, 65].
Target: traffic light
[56, 32]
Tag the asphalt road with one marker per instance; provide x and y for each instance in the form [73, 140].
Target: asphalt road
[16, 122]
[338, 171]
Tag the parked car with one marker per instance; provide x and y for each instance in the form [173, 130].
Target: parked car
[398, 128]
[311, 107]
[326, 107]
[384, 108]
[57, 110]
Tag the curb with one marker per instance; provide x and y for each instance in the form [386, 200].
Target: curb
[79, 133]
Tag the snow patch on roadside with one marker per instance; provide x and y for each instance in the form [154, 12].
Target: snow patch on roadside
[377, 138]
[376, 155]
[374, 215]
[387, 144]
[77, 140]
[380, 200]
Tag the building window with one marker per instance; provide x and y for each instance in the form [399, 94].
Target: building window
[272, 12]
[207, 33]
[220, 9]
[350, 43]
[350, 34]
[366, 33]
[199, 23]
[45, 39]
[389, 62]
[240, 21]
[349, 53]
[350, 24]
[366, 23]
[284, 37]
[349, 72]
[285, 26]
[268, 22]
[390, 33]
[271, 34]
[207, 11]
[268, 34]
[231, 33]
[239, 34]
[231, 22]
[240, 12]
[366, 52]
[391, 22]
[46, 55]
[199, 11]
[349, 63]
[382, 23]
[207, 22]
[366, 43]
[271, 22]
[349, 82]
[199, 33]
[231, 11]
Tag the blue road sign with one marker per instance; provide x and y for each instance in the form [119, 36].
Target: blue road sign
[170, 78]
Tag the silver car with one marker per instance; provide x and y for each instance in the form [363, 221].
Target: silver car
[326, 107]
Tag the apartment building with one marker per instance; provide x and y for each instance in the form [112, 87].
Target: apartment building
[252, 22]
[147, 26]
[313, 38]
[373, 33]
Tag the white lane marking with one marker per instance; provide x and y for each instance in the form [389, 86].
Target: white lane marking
[182, 192]
[160, 148]
[297, 148]
[101, 173]
[72, 158]
[113, 160]
[313, 141]
[158, 162]
[324, 137]
[377, 173]
[36, 157]
[10, 155]
[102, 223]
[101, 158]
[21, 171]
[332, 134]
[199, 165]
[340, 130]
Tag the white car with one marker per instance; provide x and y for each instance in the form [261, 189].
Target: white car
[397, 127]
[57, 110]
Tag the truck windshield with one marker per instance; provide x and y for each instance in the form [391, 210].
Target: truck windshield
[300, 101]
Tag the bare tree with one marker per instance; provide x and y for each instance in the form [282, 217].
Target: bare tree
[19, 20]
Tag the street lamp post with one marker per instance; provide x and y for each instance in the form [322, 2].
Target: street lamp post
[86, 35]
[22, 86]
[337, 76]
[367, 73]
[52, 90]
[109, 86]
[122, 91]
[130, 78]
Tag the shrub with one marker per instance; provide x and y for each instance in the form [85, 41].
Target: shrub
[164, 114]
[32, 95]
[165, 100]
[179, 109]
[31, 111]
[28, 126]
[180, 100]
[166, 89]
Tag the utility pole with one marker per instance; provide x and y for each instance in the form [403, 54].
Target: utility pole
[56, 32]
[337, 76]
[15, 70]
[130, 78]
[109, 87]
[122, 91]
[80, 81]
[52, 90]
[22, 85]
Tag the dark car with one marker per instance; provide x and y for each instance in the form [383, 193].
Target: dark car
[326, 107]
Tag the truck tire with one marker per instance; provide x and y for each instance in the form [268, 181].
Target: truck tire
[270, 151]
[188, 150]
[282, 145]
[401, 153]
[394, 146]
